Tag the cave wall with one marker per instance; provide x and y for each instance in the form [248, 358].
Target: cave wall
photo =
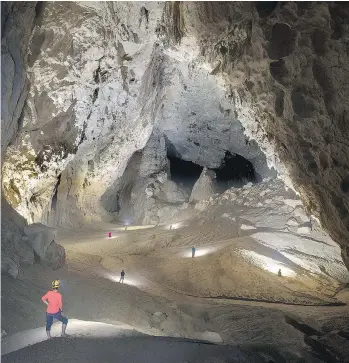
[16, 24]
[269, 83]
[91, 107]
[16, 19]
[286, 69]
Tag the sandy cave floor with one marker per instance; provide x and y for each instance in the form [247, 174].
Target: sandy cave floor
[214, 297]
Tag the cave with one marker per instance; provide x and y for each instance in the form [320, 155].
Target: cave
[198, 149]
[234, 171]
[184, 172]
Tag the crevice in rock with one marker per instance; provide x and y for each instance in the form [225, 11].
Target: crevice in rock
[96, 74]
[55, 194]
[174, 20]
[95, 95]
[39, 12]
[345, 185]
[35, 46]
[83, 132]
[144, 15]
[339, 15]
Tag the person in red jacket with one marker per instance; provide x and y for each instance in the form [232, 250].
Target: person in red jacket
[53, 300]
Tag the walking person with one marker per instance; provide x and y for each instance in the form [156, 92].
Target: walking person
[122, 276]
[109, 235]
[53, 300]
[193, 249]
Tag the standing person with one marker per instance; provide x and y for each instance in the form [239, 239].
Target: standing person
[122, 276]
[193, 249]
[109, 235]
[53, 300]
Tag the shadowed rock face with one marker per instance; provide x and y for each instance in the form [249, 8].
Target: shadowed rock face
[286, 65]
[267, 81]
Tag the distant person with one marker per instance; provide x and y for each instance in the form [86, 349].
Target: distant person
[109, 235]
[122, 276]
[193, 249]
[53, 300]
[279, 273]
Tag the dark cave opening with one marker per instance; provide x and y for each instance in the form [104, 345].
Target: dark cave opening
[183, 172]
[265, 8]
[235, 171]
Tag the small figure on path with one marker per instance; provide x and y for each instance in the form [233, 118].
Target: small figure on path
[122, 276]
[53, 300]
[279, 273]
[109, 235]
[193, 249]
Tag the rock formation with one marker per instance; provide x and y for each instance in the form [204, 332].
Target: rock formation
[204, 187]
[116, 87]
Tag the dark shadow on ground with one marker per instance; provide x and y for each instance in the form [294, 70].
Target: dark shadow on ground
[146, 350]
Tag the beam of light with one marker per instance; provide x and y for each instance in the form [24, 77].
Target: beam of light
[246, 227]
[128, 280]
[112, 237]
[174, 226]
[76, 328]
[201, 251]
[133, 228]
[267, 263]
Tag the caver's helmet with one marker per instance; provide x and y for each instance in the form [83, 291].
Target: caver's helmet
[55, 284]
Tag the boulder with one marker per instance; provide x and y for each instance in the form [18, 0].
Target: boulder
[3, 334]
[42, 240]
[55, 255]
[40, 237]
[14, 246]
[204, 187]
[9, 266]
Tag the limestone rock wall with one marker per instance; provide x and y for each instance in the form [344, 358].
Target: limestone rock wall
[90, 108]
[16, 25]
[284, 66]
[267, 81]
